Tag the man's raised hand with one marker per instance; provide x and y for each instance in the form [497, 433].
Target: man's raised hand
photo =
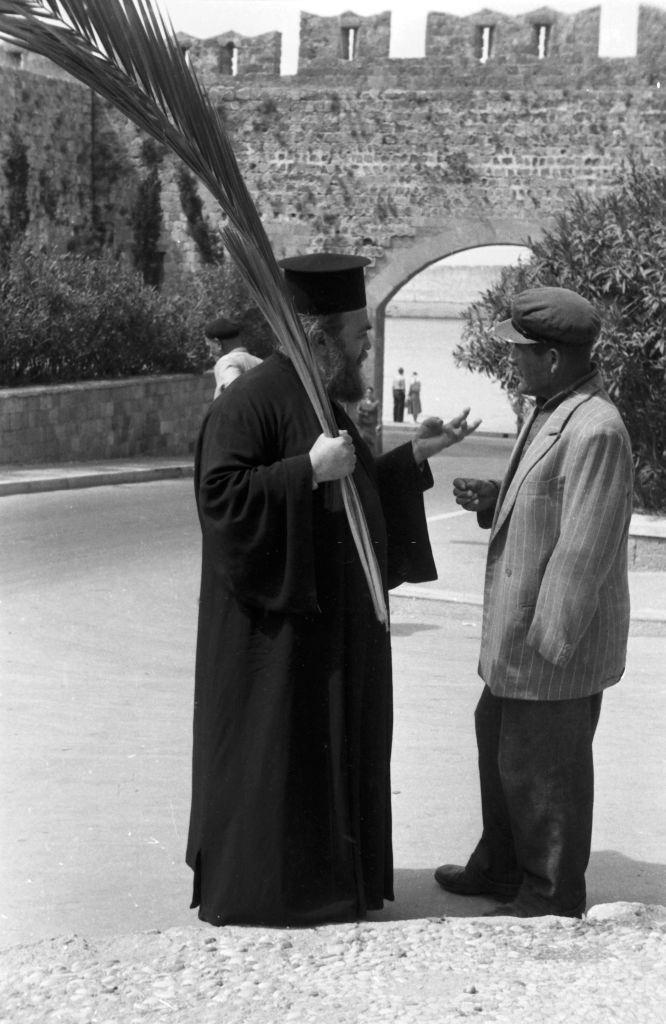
[433, 435]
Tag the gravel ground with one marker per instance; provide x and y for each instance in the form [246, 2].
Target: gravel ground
[606, 968]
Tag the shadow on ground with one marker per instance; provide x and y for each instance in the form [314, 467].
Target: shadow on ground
[611, 878]
[418, 895]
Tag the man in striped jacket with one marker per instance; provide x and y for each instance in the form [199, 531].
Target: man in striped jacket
[556, 614]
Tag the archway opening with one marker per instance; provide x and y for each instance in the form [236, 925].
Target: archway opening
[423, 325]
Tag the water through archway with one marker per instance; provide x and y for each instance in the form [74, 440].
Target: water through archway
[423, 326]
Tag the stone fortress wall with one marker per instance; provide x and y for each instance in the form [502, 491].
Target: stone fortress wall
[404, 160]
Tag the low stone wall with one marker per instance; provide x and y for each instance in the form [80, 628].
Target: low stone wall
[647, 543]
[103, 419]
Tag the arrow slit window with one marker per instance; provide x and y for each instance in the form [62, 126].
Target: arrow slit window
[484, 42]
[232, 50]
[349, 41]
[541, 40]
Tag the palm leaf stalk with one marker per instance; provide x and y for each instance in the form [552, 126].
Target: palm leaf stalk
[127, 52]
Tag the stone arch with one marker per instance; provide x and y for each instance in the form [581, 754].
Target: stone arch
[407, 257]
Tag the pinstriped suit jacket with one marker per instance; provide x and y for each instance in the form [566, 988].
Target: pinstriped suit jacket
[556, 601]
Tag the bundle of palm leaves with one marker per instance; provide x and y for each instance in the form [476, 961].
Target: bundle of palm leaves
[125, 51]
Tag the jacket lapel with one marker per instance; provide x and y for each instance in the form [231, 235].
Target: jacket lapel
[514, 458]
[540, 446]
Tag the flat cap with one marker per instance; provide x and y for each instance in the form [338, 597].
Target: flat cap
[325, 282]
[550, 315]
[221, 329]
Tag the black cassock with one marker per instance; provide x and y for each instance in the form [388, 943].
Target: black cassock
[291, 811]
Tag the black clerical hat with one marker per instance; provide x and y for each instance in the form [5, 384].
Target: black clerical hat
[221, 329]
[325, 282]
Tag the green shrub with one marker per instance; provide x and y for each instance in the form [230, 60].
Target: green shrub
[206, 238]
[218, 290]
[17, 173]
[612, 250]
[73, 318]
[146, 218]
[76, 317]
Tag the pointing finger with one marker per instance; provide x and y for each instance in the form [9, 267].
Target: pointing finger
[458, 420]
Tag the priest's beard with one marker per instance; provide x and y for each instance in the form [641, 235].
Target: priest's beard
[341, 373]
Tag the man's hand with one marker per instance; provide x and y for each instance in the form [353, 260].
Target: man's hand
[434, 436]
[332, 457]
[475, 495]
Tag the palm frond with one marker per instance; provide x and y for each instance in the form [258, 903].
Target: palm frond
[126, 52]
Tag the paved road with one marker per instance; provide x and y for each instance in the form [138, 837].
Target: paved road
[99, 602]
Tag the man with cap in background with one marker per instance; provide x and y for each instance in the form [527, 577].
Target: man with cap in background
[291, 815]
[232, 357]
[556, 614]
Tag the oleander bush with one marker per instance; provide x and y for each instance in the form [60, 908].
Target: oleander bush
[217, 289]
[77, 316]
[73, 318]
[612, 250]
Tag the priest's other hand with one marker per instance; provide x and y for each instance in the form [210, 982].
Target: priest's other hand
[433, 435]
[332, 457]
[475, 495]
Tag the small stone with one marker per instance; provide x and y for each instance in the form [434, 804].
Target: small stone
[615, 911]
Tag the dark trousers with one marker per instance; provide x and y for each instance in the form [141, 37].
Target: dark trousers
[537, 794]
[398, 405]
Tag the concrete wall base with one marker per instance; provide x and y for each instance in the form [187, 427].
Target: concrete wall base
[142, 416]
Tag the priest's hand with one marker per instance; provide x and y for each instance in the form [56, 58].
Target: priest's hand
[332, 457]
[475, 495]
[433, 435]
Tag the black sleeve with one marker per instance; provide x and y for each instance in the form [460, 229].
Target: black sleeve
[255, 509]
[401, 485]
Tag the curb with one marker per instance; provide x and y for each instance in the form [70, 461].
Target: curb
[99, 478]
[474, 600]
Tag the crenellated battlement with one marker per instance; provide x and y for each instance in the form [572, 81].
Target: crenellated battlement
[345, 39]
[352, 48]
[231, 54]
[543, 38]
[540, 35]
[356, 47]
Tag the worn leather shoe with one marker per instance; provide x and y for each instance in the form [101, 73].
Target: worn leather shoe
[468, 882]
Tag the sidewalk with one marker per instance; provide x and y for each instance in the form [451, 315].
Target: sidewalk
[73, 475]
[433, 971]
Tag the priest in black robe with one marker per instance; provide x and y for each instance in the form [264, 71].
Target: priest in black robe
[291, 811]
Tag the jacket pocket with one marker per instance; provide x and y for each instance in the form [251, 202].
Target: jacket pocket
[539, 488]
[533, 534]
